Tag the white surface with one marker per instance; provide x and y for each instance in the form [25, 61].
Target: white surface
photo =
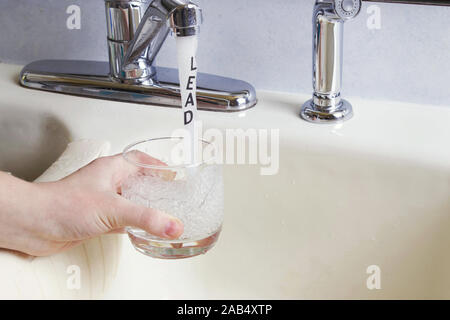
[77, 154]
[373, 191]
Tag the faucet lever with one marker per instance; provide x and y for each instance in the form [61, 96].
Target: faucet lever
[148, 39]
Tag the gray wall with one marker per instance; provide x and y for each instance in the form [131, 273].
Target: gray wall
[266, 42]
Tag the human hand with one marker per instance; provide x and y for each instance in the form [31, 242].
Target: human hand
[45, 218]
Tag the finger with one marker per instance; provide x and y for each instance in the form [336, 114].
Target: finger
[118, 231]
[140, 158]
[152, 221]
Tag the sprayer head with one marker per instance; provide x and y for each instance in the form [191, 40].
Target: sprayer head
[347, 9]
[185, 20]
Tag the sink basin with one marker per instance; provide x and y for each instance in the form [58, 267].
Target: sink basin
[373, 191]
[30, 141]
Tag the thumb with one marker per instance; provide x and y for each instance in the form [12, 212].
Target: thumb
[157, 223]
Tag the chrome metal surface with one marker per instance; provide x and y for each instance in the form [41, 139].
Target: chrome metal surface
[136, 30]
[311, 113]
[328, 30]
[91, 78]
[123, 19]
[186, 20]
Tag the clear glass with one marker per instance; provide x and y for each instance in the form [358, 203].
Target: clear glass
[190, 191]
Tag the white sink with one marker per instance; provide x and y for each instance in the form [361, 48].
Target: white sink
[373, 191]
[29, 141]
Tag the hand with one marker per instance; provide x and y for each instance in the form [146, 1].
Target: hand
[45, 218]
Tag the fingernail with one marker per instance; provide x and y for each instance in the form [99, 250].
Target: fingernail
[173, 228]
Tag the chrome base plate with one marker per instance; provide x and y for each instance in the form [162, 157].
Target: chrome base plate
[311, 113]
[91, 79]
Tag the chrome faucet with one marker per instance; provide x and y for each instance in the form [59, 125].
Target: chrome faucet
[136, 30]
[134, 42]
[327, 104]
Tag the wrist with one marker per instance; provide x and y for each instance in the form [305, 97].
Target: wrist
[17, 203]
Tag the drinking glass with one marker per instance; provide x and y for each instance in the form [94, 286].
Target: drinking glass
[191, 191]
